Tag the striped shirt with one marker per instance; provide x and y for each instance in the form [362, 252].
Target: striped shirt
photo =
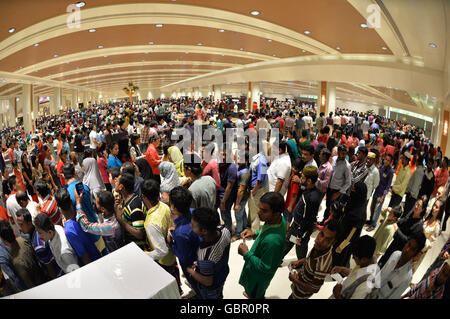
[134, 214]
[312, 273]
[420, 291]
[325, 172]
[50, 208]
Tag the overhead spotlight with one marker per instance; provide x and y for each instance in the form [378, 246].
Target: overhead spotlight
[80, 4]
[363, 25]
[269, 40]
[432, 45]
[11, 30]
[303, 51]
[307, 32]
[255, 13]
[151, 42]
[242, 49]
[159, 25]
[338, 48]
[221, 30]
[55, 56]
[383, 48]
[200, 43]
[36, 44]
[92, 30]
[20, 67]
[100, 46]
[274, 55]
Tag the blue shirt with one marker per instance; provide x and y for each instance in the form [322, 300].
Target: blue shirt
[385, 181]
[113, 161]
[101, 137]
[86, 205]
[44, 253]
[261, 172]
[80, 240]
[184, 242]
[228, 174]
[7, 266]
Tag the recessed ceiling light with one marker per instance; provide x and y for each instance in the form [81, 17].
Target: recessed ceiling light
[269, 40]
[186, 52]
[363, 25]
[274, 55]
[222, 54]
[221, 30]
[338, 48]
[20, 67]
[303, 51]
[11, 30]
[105, 56]
[36, 44]
[92, 30]
[384, 48]
[100, 46]
[255, 13]
[242, 49]
[432, 45]
[159, 25]
[151, 42]
[199, 43]
[67, 62]
[80, 4]
[55, 56]
[307, 32]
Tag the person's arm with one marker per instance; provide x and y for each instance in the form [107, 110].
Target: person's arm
[294, 197]
[267, 261]
[139, 233]
[257, 185]
[278, 185]
[204, 280]
[102, 229]
[158, 240]
[239, 197]
[85, 259]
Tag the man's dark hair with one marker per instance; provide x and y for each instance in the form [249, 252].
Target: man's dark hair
[333, 226]
[274, 200]
[42, 188]
[297, 163]
[112, 146]
[150, 189]
[420, 239]
[127, 180]
[11, 182]
[42, 221]
[88, 152]
[364, 247]
[326, 152]
[207, 218]
[68, 171]
[21, 196]
[193, 162]
[23, 212]
[128, 168]
[106, 200]
[63, 200]
[363, 150]
[309, 148]
[181, 198]
[283, 146]
[115, 172]
[6, 232]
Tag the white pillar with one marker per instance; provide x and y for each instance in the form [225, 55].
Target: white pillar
[255, 97]
[331, 98]
[217, 93]
[26, 101]
[74, 104]
[12, 116]
[55, 102]
[35, 106]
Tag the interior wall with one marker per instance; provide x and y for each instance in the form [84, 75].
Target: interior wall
[359, 107]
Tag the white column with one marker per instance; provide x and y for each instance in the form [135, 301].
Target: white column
[217, 93]
[331, 98]
[256, 89]
[26, 101]
[12, 116]
[35, 106]
[74, 104]
[56, 103]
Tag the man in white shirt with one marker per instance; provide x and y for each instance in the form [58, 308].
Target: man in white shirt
[65, 255]
[308, 156]
[308, 123]
[336, 121]
[396, 275]
[373, 176]
[279, 171]
[12, 206]
[25, 202]
[360, 281]
[93, 138]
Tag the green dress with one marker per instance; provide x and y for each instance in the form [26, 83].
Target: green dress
[263, 259]
[384, 234]
[303, 144]
[293, 145]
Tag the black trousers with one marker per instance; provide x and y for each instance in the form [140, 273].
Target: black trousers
[409, 203]
[300, 250]
[329, 202]
[395, 200]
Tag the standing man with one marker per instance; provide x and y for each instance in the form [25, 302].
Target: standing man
[309, 273]
[386, 175]
[320, 122]
[279, 171]
[340, 181]
[373, 176]
[325, 171]
[263, 259]
[93, 144]
[304, 214]
[401, 182]
[413, 188]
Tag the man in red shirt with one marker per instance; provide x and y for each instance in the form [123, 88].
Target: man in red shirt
[62, 161]
[152, 156]
[255, 106]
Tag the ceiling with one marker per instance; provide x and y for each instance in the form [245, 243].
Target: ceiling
[128, 46]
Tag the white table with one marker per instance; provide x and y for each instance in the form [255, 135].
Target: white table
[127, 273]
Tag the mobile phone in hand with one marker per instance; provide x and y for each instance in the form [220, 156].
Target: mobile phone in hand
[80, 188]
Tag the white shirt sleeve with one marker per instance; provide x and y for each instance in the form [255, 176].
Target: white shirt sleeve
[159, 242]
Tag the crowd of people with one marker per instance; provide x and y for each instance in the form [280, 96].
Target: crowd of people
[90, 181]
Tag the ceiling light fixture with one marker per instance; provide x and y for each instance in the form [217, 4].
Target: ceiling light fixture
[55, 56]
[100, 46]
[363, 25]
[11, 30]
[92, 30]
[384, 48]
[159, 25]
[307, 32]
[432, 45]
[269, 40]
[151, 42]
[242, 49]
[221, 30]
[255, 13]
[199, 43]
[338, 48]
[36, 44]
[274, 55]
[303, 51]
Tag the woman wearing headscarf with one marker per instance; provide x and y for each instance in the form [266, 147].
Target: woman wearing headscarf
[176, 157]
[169, 179]
[92, 177]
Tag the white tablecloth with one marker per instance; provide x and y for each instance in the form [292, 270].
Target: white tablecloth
[127, 273]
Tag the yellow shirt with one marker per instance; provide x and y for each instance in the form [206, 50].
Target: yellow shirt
[401, 182]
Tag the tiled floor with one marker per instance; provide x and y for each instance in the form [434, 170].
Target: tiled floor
[280, 285]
